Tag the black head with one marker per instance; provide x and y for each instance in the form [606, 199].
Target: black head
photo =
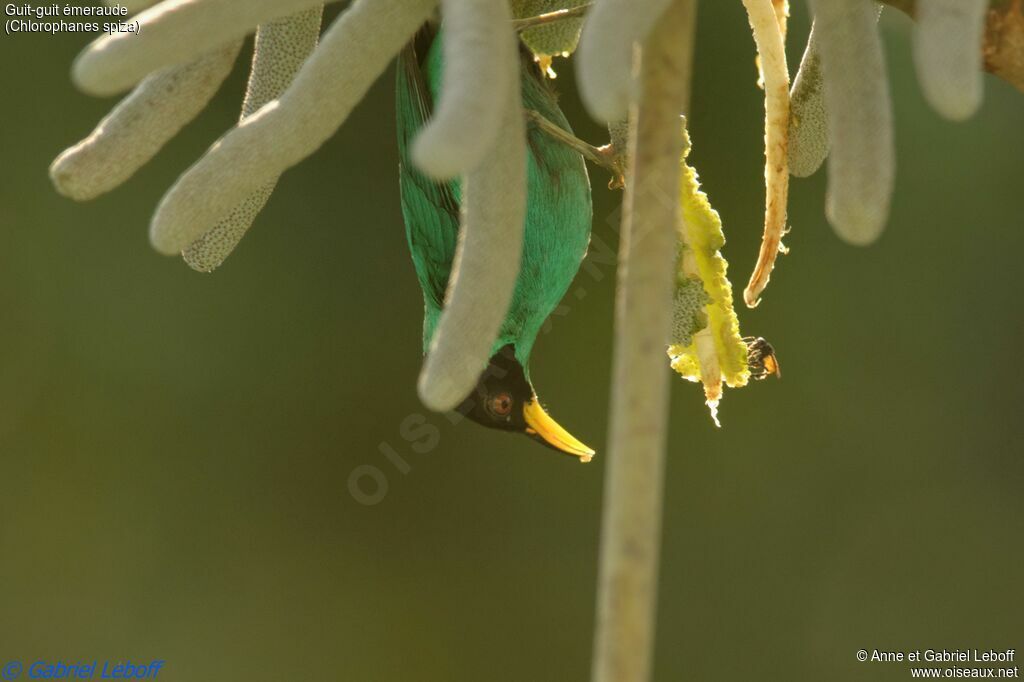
[504, 399]
[500, 394]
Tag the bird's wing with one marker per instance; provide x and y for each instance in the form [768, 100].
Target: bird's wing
[430, 209]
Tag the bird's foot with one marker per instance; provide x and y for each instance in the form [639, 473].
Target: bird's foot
[607, 156]
[615, 162]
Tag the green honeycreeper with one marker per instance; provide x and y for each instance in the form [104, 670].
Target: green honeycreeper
[557, 233]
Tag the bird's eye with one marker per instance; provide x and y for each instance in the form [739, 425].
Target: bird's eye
[500, 404]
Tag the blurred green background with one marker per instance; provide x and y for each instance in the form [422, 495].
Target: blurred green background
[175, 448]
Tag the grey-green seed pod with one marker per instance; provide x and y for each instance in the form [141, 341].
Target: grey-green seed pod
[478, 45]
[282, 47]
[140, 125]
[486, 265]
[287, 130]
[604, 65]
[862, 160]
[808, 117]
[175, 32]
[948, 40]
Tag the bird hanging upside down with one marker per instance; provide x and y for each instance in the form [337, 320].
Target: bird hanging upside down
[557, 232]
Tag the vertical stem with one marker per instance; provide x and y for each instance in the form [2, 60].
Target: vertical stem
[631, 531]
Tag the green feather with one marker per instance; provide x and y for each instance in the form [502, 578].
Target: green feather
[558, 216]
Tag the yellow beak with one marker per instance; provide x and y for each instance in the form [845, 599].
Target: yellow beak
[539, 424]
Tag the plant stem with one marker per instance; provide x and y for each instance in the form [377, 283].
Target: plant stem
[631, 531]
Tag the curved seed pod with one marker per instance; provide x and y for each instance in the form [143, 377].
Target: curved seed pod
[861, 163]
[948, 39]
[486, 261]
[808, 118]
[281, 48]
[772, 52]
[136, 129]
[132, 5]
[477, 42]
[173, 32]
[605, 54]
[287, 130]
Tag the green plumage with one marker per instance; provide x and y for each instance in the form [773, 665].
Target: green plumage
[558, 216]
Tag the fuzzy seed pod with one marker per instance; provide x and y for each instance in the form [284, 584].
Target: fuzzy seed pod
[282, 47]
[861, 163]
[173, 32]
[486, 261]
[808, 118]
[478, 43]
[287, 130]
[605, 59]
[139, 126]
[948, 40]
